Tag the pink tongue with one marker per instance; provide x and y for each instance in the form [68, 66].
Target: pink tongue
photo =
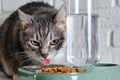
[46, 62]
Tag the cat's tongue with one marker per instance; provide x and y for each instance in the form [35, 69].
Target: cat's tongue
[45, 61]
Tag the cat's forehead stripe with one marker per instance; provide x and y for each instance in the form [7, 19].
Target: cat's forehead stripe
[40, 30]
[43, 30]
[47, 29]
[45, 25]
[37, 36]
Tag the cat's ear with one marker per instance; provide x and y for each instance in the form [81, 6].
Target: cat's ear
[60, 17]
[25, 19]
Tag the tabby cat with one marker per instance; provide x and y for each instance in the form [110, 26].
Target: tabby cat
[33, 33]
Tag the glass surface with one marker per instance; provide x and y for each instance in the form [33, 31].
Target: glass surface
[82, 39]
[82, 33]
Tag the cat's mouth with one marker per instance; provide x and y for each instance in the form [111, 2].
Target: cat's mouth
[46, 58]
[45, 61]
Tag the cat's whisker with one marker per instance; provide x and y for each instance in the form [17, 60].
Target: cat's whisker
[19, 56]
[24, 61]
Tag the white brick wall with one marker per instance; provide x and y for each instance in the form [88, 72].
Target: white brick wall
[109, 28]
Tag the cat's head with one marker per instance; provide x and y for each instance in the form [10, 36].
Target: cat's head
[43, 34]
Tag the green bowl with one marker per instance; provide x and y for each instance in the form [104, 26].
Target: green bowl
[30, 73]
[95, 72]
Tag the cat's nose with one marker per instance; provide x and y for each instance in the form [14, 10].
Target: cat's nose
[44, 55]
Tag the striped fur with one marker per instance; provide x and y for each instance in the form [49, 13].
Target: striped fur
[34, 21]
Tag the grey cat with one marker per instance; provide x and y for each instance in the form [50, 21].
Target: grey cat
[34, 32]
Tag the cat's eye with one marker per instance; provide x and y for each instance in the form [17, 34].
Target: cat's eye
[55, 42]
[34, 42]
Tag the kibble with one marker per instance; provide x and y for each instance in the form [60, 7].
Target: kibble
[63, 69]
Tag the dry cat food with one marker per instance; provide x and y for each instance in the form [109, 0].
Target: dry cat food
[63, 69]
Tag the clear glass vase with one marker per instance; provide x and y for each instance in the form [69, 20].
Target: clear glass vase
[82, 33]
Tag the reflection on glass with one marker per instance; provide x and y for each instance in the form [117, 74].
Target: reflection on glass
[82, 39]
